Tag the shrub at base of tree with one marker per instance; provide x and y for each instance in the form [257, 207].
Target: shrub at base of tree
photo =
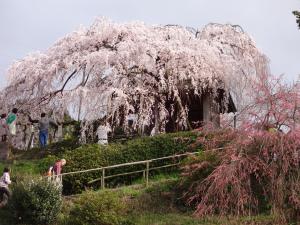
[35, 202]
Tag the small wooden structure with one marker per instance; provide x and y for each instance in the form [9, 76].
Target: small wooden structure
[204, 108]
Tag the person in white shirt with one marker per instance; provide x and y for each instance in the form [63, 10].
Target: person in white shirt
[3, 128]
[131, 118]
[4, 190]
[102, 134]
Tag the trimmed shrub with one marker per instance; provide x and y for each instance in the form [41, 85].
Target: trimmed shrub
[101, 208]
[93, 156]
[35, 202]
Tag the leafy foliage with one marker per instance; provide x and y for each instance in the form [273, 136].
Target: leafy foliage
[35, 202]
[103, 208]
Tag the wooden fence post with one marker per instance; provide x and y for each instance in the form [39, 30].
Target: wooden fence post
[147, 173]
[103, 179]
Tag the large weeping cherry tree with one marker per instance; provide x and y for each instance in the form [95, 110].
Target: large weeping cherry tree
[111, 70]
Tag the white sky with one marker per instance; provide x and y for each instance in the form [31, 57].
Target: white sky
[31, 25]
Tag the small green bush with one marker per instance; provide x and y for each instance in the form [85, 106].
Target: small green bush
[98, 208]
[35, 202]
[93, 156]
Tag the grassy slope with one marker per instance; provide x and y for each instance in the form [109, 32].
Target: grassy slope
[150, 206]
[36, 161]
[153, 206]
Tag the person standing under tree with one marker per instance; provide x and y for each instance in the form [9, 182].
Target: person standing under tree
[11, 121]
[44, 124]
[4, 150]
[102, 132]
[3, 128]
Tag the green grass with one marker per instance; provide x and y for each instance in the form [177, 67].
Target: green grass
[155, 205]
[186, 219]
[152, 206]
[54, 149]
[165, 219]
[36, 161]
[22, 167]
[36, 167]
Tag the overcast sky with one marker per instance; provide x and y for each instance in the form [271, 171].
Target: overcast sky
[31, 25]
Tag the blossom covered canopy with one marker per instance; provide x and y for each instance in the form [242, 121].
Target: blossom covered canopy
[116, 68]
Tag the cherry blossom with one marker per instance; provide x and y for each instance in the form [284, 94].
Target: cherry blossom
[111, 69]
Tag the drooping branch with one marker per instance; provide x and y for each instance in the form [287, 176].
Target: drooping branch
[47, 98]
[297, 14]
[65, 83]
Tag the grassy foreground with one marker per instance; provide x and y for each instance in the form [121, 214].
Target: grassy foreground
[156, 205]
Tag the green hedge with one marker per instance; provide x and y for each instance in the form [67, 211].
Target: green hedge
[93, 156]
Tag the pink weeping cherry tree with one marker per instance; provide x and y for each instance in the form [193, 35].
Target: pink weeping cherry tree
[257, 169]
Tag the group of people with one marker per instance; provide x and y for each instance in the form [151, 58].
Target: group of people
[8, 129]
[8, 126]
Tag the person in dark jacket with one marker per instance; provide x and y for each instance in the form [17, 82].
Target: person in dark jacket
[44, 124]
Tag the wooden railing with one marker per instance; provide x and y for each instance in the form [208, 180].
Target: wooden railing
[145, 171]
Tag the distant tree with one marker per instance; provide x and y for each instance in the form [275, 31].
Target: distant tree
[297, 14]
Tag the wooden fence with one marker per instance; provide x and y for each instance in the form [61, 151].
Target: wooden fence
[145, 171]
